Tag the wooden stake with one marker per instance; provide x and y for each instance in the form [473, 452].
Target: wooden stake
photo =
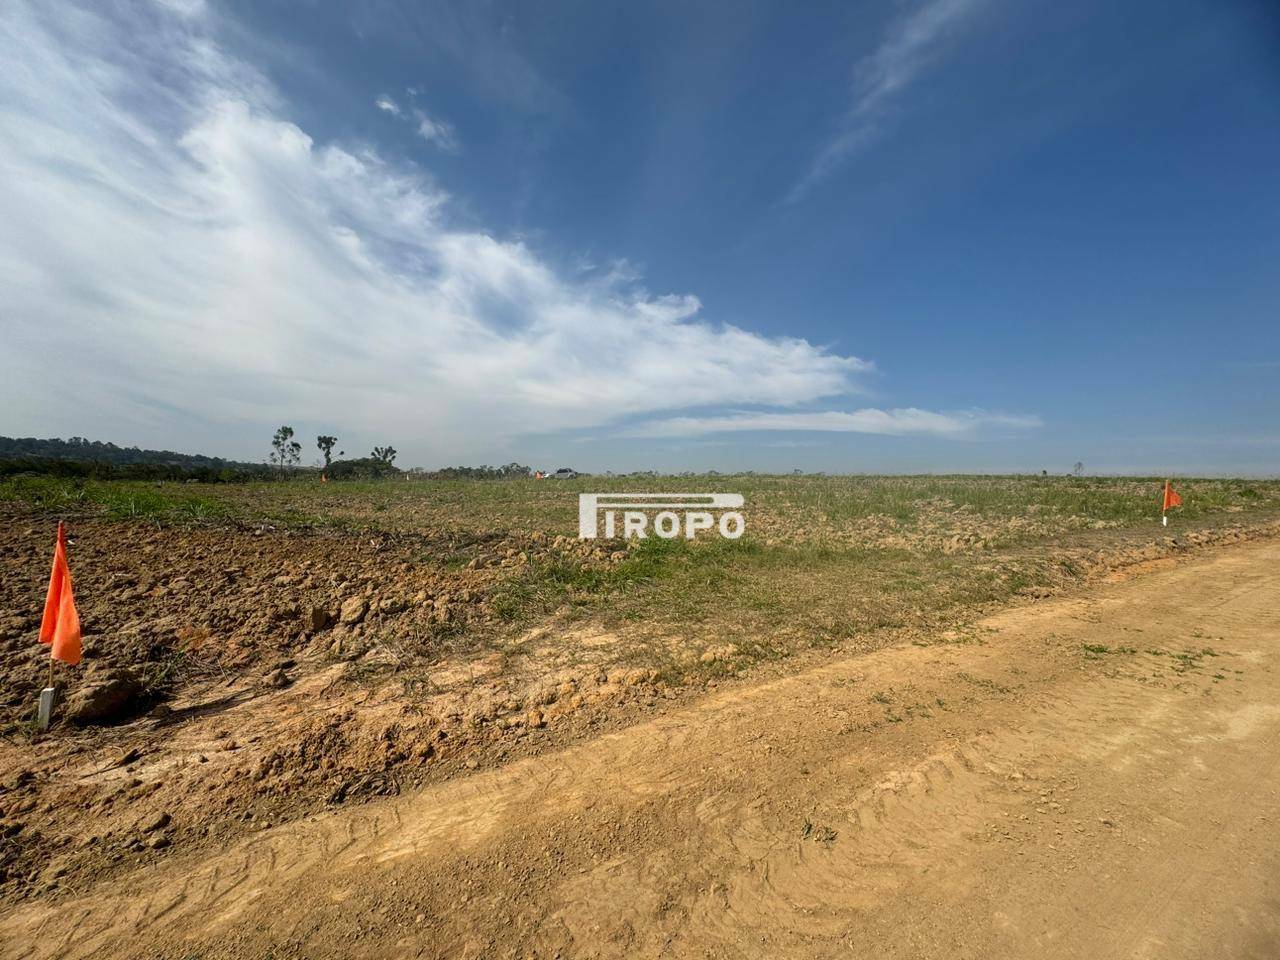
[48, 700]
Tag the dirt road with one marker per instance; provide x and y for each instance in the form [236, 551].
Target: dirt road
[1092, 777]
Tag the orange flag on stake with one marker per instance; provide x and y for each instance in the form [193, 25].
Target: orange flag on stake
[1171, 499]
[61, 624]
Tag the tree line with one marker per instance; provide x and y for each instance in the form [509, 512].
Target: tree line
[510, 471]
[286, 457]
[78, 458]
[95, 451]
[81, 459]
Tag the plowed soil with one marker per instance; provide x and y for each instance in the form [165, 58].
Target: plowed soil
[1095, 775]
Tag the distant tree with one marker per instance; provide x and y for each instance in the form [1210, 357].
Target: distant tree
[510, 471]
[285, 451]
[385, 454]
[326, 445]
[1077, 469]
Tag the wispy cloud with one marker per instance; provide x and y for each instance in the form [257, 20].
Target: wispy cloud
[207, 270]
[436, 132]
[899, 422]
[479, 43]
[910, 46]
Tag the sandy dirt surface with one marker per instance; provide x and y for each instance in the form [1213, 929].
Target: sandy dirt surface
[1093, 776]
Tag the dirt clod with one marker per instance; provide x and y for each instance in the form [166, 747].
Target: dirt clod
[353, 611]
[107, 694]
[318, 618]
[158, 822]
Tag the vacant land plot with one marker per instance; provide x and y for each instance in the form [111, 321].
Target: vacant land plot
[259, 653]
[1094, 777]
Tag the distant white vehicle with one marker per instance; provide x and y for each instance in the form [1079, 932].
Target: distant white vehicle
[564, 473]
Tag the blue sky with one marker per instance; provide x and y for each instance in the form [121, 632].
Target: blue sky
[907, 236]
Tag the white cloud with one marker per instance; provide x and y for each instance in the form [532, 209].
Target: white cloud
[906, 50]
[900, 422]
[436, 132]
[197, 266]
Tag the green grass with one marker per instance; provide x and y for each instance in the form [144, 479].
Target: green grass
[543, 587]
[116, 499]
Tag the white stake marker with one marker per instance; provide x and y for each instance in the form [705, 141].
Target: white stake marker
[48, 698]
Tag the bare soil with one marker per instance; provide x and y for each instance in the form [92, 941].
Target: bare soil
[282, 672]
[1089, 775]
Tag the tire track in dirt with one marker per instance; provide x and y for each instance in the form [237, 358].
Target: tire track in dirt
[989, 799]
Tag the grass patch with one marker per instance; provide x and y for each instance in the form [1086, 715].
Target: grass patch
[1101, 649]
[1186, 661]
[116, 499]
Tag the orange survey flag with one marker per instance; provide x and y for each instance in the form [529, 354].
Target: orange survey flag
[1171, 499]
[61, 624]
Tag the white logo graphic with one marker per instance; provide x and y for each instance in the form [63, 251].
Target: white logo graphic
[680, 514]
